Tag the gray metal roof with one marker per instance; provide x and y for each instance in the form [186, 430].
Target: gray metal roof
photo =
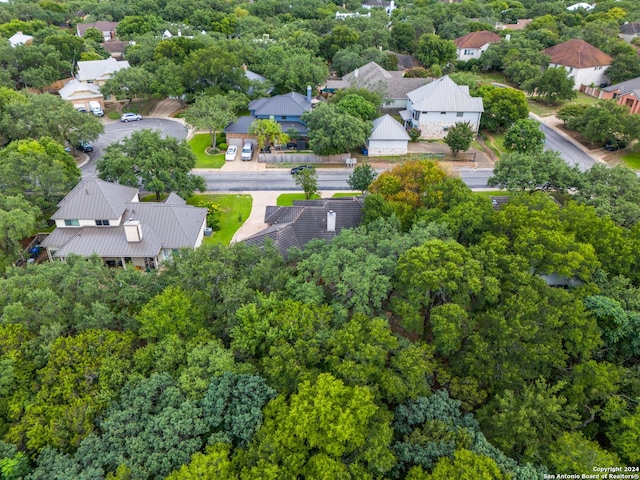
[241, 125]
[100, 69]
[631, 28]
[73, 87]
[444, 95]
[95, 199]
[388, 128]
[292, 103]
[100, 25]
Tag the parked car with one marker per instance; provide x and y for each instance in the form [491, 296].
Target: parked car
[292, 145]
[247, 151]
[84, 147]
[130, 117]
[300, 168]
[613, 145]
[231, 153]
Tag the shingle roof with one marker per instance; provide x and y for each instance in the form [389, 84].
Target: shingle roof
[170, 224]
[77, 90]
[391, 84]
[444, 95]
[292, 103]
[101, 25]
[631, 28]
[100, 69]
[577, 54]
[114, 46]
[19, 38]
[624, 87]
[477, 39]
[307, 220]
[388, 128]
[96, 199]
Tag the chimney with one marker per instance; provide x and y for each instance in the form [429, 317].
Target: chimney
[331, 221]
[309, 93]
[244, 67]
[133, 230]
[179, 33]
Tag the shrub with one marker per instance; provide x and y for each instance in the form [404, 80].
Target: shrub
[222, 146]
[414, 134]
[214, 214]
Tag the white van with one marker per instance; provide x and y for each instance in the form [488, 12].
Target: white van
[247, 151]
[95, 108]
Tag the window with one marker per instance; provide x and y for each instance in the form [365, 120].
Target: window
[89, 81]
[416, 115]
[72, 223]
[102, 223]
[468, 52]
[459, 114]
[443, 113]
[598, 68]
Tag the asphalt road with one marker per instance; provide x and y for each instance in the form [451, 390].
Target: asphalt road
[272, 179]
[116, 131]
[475, 177]
[568, 151]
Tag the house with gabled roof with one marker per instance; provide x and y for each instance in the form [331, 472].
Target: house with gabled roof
[108, 220]
[79, 94]
[20, 38]
[474, 44]
[391, 85]
[307, 220]
[108, 29]
[388, 137]
[286, 109]
[585, 63]
[435, 107]
[626, 93]
[629, 31]
[99, 71]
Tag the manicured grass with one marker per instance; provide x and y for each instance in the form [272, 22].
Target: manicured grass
[495, 141]
[236, 210]
[491, 77]
[541, 109]
[199, 144]
[632, 160]
[151, 197]
[286, 199]
[493, 193]
[346, 194]
[113, 115]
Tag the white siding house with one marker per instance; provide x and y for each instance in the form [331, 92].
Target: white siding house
[474, 44]
[388, 137]
[439, 105]
[585, 63]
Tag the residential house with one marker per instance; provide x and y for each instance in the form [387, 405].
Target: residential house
[474, 44]
[20, 38]
[286, 109]
[108, 29]
[388, 137]
[115, 48]
[629, 31]
[585, 63]
[307, 220]
[79, 94]
[389, 7]
[625, 93]
[99, 71]
[435, 107]
[519, 24]
[391, 86]
[108, 220]
[581, 5]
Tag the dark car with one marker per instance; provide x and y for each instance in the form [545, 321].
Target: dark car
[613, 145]
[84, 147]
[300, 168]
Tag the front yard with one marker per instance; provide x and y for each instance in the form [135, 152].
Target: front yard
[199, 144]
[235, 211]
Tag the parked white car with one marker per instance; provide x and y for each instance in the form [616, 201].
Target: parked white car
[232, 151]
[130, 117]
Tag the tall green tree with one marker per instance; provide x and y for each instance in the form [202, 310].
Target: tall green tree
[433, 50]
[131, 82]
[553, 85]
[331, 131]
[307, 179]
[159, 164]
[361, 177]
[524, 136]
[459, 137]
[39, 170]
[502, 107]
[18, 219]
[212, 113]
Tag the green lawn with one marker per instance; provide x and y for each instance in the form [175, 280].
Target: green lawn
[632, 160]
[493, 193]
[541, 109]
[199, 144]
[286, 199]
[495, 141]
[236, 210]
